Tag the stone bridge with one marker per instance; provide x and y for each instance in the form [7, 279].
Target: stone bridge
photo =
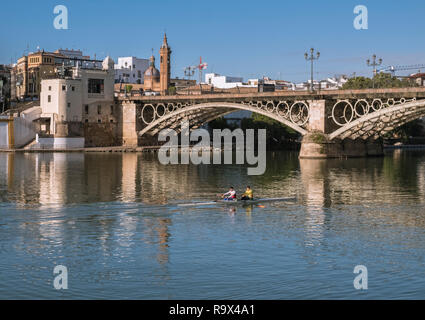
[338, 123]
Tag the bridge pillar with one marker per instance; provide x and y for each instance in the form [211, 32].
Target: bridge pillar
[317, 145]
[128, 124]
[318, 116]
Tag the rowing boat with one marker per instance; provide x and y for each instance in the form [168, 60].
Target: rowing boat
[236, 202]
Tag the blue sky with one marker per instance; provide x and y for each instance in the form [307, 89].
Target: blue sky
[240, 38]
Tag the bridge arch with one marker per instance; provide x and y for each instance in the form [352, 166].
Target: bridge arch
[205, 112]
[380, 122]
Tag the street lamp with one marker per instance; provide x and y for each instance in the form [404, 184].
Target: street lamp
[189, 72]
[374, 64]
[312, 58]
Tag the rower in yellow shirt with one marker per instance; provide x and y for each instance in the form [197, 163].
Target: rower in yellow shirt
[248, 195]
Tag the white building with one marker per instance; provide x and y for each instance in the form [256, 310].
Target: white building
[333, 83]
[87, 96]
[224, 82]
[130, 70]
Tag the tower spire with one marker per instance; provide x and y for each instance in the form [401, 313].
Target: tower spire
[165, 68]
[165, 42]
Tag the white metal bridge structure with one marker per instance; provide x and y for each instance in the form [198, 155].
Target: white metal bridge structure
[352, 114]
[339, 114]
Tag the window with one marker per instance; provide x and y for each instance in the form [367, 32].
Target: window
[86, 121]
[69, 104]
[49, 98]
[111, 121]
[63, 88]
[95, 86]
[50, 88]
[99, 109]
[86, 108]
[73, 88]
[112, 109]
[99, 121]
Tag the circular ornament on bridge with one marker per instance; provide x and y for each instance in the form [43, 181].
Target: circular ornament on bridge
[282, 109]
[343, 112]
[361, 108]
[377, 104]
[299, 113]
[170, 107]
[259, 104]
[178, 105]
[148, 117]
[270, 106]
[160, 110]
[390, 102]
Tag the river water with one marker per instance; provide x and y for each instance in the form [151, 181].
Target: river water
[113, 220]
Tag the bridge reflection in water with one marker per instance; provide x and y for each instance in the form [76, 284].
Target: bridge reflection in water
[118, 213]
[56, 179]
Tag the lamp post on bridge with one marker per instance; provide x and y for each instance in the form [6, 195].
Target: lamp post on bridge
[374, 64]
[189, 72]
[312, 58]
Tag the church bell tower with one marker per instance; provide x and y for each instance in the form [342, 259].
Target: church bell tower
[165, 68]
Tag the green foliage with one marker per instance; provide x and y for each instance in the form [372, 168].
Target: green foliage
[317, 137]
[411, 129]
[357, 83]
[278, 136]
[172, 91]
[381, 80]
[221, 123]
[128, 88]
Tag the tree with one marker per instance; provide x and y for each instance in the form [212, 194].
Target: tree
[221, 123]
[278, 136]
[357, 83]
[172, 90]
[382, 80]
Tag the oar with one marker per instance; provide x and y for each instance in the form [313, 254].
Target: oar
[196, 204]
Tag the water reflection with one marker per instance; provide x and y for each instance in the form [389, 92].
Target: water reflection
[68, 178]
[314, 175]
[119, 211]
[47, 179]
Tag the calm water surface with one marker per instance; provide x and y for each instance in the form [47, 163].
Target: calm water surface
[114, 221]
